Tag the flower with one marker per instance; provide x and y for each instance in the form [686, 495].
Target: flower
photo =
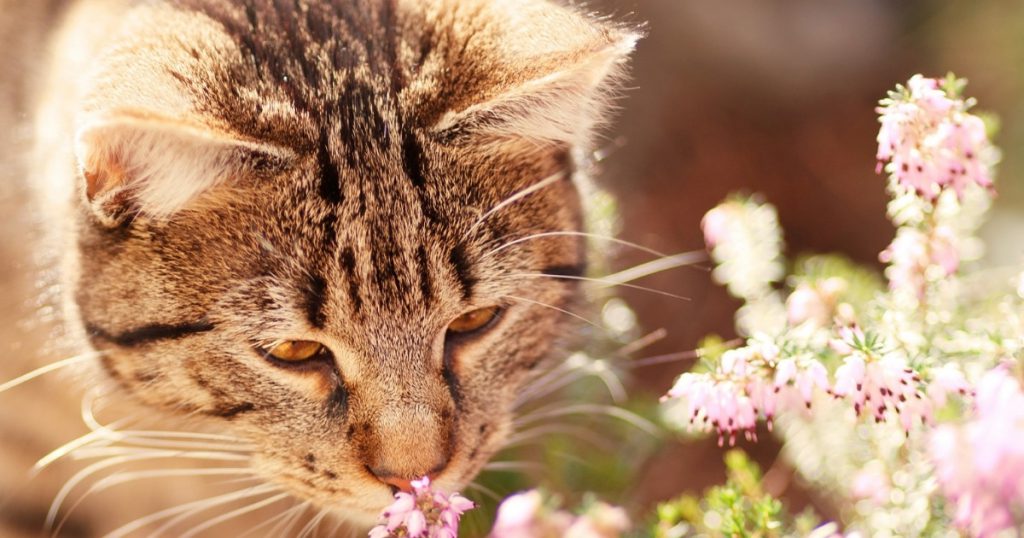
[524, 515]
[913, 252]
[979, 464]
[422, 513]
[748, 384]
[928, 141]
[744, 239]
[814, 302]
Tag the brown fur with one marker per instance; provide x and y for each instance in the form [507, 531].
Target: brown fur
[231, 174]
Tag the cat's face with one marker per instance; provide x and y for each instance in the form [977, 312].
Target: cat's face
[311, 223]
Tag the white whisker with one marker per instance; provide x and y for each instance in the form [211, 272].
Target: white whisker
[277, 518]
[574, 234]
[313, 524]
[529, 435]
[602, 281]
[519, 195]
[187, 510]
[233, 514]
[122, 478]
[562, 310]
[655, 266]
[513, 466]
[485, 490]
[154, 453]
[642, 342]
[629, 417]
[43, 370]
[289, 522]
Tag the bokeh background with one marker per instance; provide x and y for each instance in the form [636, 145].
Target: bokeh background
[777, 97]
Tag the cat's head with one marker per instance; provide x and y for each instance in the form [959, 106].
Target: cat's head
[313, 221]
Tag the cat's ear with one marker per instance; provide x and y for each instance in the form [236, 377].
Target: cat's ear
[557, 92]
[136, 164]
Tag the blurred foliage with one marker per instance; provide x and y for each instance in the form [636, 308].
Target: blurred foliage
[741, 508]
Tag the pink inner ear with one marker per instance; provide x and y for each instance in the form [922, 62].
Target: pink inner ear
[102, 173]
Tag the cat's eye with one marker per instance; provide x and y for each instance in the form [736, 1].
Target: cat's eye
[474, 320]
[295, 350]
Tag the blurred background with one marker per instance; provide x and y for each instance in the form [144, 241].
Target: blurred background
[774, 97]
[777, 97]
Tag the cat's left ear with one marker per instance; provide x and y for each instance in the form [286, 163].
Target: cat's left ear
[558, 74]
[138, 164]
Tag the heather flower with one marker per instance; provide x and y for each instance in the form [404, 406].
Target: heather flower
[814, 302]
[913, 253]
[980, 464]
[525, 515]
[748, 384]
[744, 240]
[422, 513]
[928, 141]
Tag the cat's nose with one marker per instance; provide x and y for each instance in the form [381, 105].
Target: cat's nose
[398, 483]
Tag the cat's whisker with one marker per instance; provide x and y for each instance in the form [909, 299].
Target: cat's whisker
[152, 453]
[114, 458]
[512, 466]
[82, 475]
[104, 435]
[277, 519]
[338, 522]
[655, 266]
[673, 357]
[484, 490]
[642, 342]
[518, 195]
[566, 372]
[181, 435]
[183, 445]
[627, 416]
[125, 477]
[597, 368]
[564, 233]
[562, 310]
[285, 526]
[187, 509]
[233, 514]
[602, 281]
[313, 523]
[43, 370]
[536, 433]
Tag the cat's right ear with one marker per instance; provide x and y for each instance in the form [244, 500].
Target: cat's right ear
[140, 165]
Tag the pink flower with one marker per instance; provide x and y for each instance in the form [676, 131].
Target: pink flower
[749, 384]
[980, 464]
[524, 515]
[930, 141]
[716, 224]
[423, 513]
[913, 251]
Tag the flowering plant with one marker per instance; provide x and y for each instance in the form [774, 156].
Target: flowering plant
[937, 356]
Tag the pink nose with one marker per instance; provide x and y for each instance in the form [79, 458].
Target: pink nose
[401, 484]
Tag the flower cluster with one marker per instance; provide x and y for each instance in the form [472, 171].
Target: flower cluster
[878, 381]
[747, 384]
[526, 515]
[422, 513]
[929, 142]
[980, 464]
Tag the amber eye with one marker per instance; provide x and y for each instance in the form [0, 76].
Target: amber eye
[473, 320]
[295, 350]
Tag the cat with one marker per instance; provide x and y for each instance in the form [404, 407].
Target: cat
[323, 227]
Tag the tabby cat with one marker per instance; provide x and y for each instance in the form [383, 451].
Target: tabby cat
[323, 225]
